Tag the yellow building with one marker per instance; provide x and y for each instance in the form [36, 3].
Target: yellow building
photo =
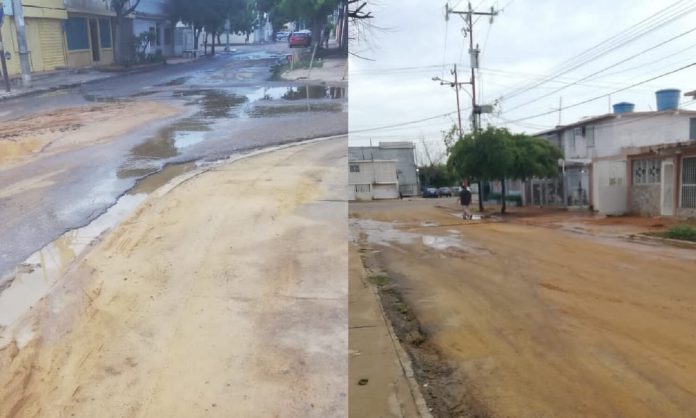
[44, 21]
[89, 36]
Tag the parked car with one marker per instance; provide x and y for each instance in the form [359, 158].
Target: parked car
[430, 192]
[300, 39]
[445, 191]
[282, 35]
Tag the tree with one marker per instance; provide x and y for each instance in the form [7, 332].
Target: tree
[122, 8]
[436, 175]
[496, 154]
[244, 17]
[314, 11]
[188, 13]
[208, 15]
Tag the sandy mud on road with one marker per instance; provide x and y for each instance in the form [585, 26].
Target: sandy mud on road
[537, 321]
[223, 296]
[64, 129]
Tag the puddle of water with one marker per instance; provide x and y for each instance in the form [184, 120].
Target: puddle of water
[151, 183]
[270, 111]
[214, 103]
[106, 99]
[185, 139]
[143, 93]
[297, 93]
[174, 82]
[38, 274]
[386, 234]
[147, 158]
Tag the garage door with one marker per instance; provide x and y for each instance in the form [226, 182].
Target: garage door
[52, 49]
[45, 39]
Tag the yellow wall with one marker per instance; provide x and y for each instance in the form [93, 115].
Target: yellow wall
[44, 29]
[82, 58]
[9, 37]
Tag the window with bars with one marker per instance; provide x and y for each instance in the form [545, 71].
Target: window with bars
[362, 188]
[354, 168]
[647, 171]
[688, 188]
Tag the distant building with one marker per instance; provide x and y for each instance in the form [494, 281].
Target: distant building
[372, 179]
[625, 162]
[403, 153]
[152, 16]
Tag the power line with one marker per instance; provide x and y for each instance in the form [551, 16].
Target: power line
[604, 95]
[634, 32]
[604, 69]
[377, 128]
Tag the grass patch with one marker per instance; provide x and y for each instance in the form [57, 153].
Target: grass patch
[681, 232]
[380, 280]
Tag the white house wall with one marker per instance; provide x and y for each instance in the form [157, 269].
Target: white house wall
[613, 137]
[380, 172]
[610, 187]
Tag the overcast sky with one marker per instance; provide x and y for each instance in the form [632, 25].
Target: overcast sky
[528, 40]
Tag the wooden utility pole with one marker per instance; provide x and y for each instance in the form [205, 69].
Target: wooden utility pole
[456, 90]
[468, 16]
[455, 84]
[474, 54]
[22, 42]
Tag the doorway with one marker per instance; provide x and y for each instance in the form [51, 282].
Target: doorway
[94, 38]
[667, 189]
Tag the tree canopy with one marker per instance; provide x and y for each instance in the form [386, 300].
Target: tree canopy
[497, 154]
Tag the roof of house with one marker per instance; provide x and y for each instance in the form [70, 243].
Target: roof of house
[388, 145]
[607, 116]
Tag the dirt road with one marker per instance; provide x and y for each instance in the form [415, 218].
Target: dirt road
[540, 322]
[224, 296]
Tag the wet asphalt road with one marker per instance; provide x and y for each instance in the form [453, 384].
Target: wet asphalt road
[231, 106]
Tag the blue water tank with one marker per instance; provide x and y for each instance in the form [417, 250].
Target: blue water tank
[624, 107]
[668, 99]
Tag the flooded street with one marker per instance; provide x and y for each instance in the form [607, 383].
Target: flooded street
[206, 297]
[66, 156]
[527, 318]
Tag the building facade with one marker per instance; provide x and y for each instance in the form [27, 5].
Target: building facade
[627, 162]
[151, 16]
[44, 20]
[401, 152]
[89, 33]
[372, 179]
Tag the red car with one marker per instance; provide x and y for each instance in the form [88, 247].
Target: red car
[300, 39]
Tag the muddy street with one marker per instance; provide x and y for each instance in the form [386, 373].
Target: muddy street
[66, 156]
[529, 320]
[190, 309]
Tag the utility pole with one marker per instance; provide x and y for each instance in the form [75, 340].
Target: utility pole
[3, 63]
[473, 54]
[22, 41]
[455, 84]
[476, 110]
[560, 109]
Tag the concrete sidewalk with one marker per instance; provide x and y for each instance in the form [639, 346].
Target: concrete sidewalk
[333, 70]
[381, 383]
[69, 78]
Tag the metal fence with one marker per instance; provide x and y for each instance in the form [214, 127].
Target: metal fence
[567, 190]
